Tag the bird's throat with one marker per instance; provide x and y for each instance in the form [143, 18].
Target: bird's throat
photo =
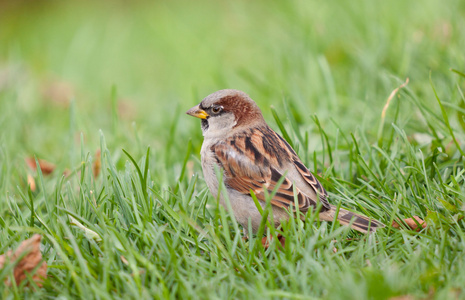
[204, 125]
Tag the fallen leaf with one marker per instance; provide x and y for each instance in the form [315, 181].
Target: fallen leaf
[58, 92]
[97, 165]
[442, 32]
[126, 109]
[411, 223]
[403, 297]
[267, 240]
[31, 182]
[26, 259]
[45, 166]
[66, 172]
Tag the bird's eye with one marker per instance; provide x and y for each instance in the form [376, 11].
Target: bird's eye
[217, 109]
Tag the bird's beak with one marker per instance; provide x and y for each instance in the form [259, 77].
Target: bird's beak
[197, 112]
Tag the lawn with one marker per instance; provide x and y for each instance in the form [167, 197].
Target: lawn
[370, 94]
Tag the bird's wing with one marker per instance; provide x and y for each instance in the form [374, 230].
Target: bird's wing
[313, 182]
[304, 172]
[251, 162]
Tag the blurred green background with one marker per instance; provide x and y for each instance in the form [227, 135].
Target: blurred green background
[333, 59]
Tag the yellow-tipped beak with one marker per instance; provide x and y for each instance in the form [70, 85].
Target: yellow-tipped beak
[197, 112]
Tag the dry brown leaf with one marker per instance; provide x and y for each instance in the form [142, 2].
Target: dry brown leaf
[403, 297]
[58, 92]
[442, 32]
[66, 173]
[45, 166]
[126, 109]
[31, 182]
[26, 259]
[97, 165]
[411, 223]
[267, 240]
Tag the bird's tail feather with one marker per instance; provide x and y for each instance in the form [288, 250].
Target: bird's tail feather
[358, 222]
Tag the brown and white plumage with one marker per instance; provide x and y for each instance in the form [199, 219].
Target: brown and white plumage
[254, 158]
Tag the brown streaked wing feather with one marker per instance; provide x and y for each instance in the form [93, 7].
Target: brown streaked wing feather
[313, 182]
[284, 196]
[244, 171]
[306, 174]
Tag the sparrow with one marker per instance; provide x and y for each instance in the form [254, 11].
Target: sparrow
[254, 159]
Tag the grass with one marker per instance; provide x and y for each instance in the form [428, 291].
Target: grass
[147, 227]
